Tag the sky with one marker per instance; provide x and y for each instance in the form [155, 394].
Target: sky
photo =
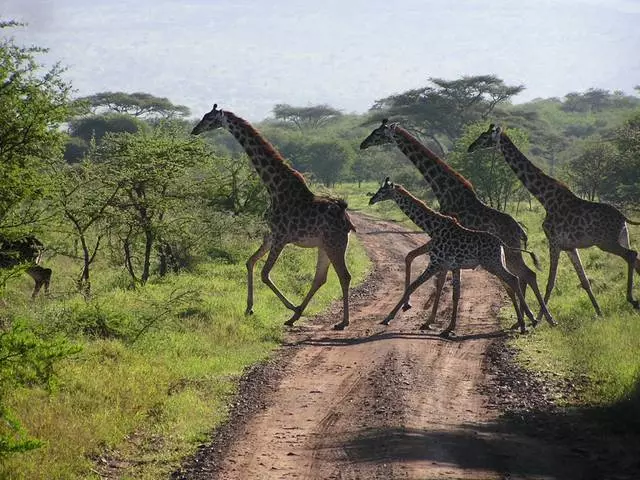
[249, 55]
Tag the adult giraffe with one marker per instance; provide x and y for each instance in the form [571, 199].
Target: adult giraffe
[571, 222]
[295, 215]
[452, 247]
[457, 198]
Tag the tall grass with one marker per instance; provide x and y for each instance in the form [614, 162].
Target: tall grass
[158, 364]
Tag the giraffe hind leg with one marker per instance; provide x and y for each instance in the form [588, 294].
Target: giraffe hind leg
[456, 299]
[631, 257]
[440, 279]
[337, 258]
[584, 281]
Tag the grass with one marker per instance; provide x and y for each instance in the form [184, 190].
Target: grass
[158, 365]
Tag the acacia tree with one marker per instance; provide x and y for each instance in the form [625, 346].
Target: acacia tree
[83, 195]
[137, 104]
[492, 178]
[440, 110]
[623, 179]
[304, 118]
[150, 169]
[33, 104]
[588, 171]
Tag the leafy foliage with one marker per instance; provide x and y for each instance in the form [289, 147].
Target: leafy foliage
[442, 109]
[33, 104]
[137, 104]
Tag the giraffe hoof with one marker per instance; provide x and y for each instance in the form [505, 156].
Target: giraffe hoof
[636, 304]
[385, 321]
[290, 322]
[447, 334]
[340, 326]
[426, 326]
[248, 311]
[406, 306]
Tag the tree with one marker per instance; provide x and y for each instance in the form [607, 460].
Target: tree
[311, 117]
[83, 194]
[588, 171]
[328, 159]
[94, 127]
[441, 110]
[137, 104]
[623, 180]
[150, 169]
[33, 105]
[492, 178]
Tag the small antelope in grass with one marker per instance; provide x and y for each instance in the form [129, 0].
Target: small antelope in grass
[27, 250]
[452, 247]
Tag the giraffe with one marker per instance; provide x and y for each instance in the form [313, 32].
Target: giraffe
[26, 250]
[570, 222]
[295, 215]
[452, 247]
[458, 199]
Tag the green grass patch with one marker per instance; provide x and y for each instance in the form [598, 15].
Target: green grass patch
[158, 364]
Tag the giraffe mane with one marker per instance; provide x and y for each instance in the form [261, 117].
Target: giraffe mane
[268, 147]
[444, 165]
[422, 203]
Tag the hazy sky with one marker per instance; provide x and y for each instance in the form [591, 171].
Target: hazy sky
[248, 55]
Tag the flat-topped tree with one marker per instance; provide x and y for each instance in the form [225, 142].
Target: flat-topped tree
[457, 198]
[451, 247]
[296, 215]
[571, 222]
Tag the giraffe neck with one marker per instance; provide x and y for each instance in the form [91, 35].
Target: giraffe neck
[545, 188]
[282, 181]
[418, 211]
[447, 184]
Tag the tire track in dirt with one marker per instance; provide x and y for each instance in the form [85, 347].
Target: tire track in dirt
[375, 402]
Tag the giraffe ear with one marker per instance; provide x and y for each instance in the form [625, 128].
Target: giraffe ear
[491, 127]
[385, 121]
[215, 105]
[386, 181]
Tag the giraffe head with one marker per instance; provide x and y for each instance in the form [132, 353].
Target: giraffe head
[380, 136]
[212, 120]
[385, 192]
[488, 139]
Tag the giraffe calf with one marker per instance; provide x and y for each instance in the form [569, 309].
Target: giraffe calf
[452, 247]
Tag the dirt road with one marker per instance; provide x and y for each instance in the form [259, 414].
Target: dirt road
[375, 402]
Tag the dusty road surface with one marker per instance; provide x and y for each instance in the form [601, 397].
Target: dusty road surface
[375, 402]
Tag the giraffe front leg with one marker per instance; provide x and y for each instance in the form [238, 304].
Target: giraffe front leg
[411, 256]
[266, 245]
[429, 272]
[274, 253]
[322, 267]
